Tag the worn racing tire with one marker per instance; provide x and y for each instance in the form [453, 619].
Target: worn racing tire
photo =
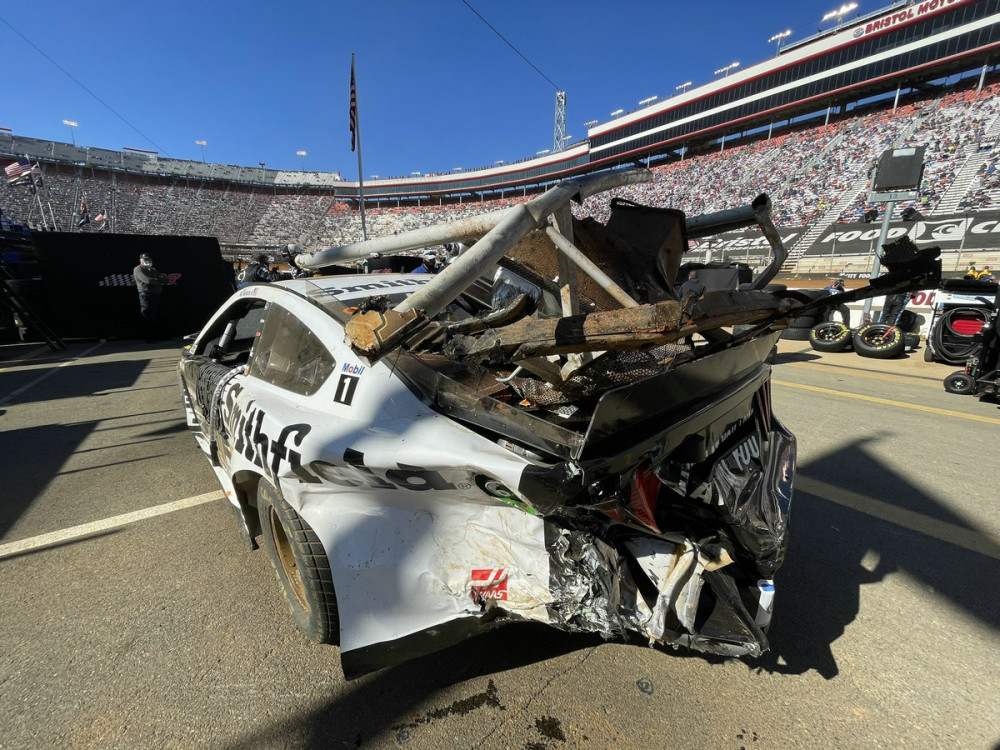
[960, 382]
[796, 334]
[301, 565]
[928, 353]
[803, 321]
[879, 341]
[830, 337]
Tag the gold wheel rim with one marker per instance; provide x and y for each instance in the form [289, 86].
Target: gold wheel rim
[287, 559]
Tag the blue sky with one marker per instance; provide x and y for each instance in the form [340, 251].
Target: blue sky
[437, 88]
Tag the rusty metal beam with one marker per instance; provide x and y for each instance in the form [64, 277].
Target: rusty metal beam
[632, 328]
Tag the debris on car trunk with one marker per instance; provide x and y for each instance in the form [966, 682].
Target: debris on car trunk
[600, 452]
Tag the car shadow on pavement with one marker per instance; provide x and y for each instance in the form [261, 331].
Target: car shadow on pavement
[835, 549]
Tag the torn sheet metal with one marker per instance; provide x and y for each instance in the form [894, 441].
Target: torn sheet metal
[476, 448]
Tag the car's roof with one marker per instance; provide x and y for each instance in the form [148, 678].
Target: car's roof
[356, 286]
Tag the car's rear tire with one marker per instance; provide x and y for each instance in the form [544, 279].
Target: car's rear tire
[301, 565]
[960, 382]
[879, 341]
[830, 337]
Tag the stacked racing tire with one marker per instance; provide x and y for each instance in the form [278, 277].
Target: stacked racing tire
[831, 336]
[879, 341]
[800, 328]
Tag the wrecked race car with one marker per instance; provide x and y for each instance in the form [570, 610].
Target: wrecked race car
[429, 456]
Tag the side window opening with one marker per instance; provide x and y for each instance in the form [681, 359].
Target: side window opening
[289, 355]
[229, 341]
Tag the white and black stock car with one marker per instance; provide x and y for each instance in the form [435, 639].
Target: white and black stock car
[426, 457]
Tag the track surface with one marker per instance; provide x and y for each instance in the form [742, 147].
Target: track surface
[158, 628]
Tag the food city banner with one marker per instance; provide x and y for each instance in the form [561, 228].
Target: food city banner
[951, 232]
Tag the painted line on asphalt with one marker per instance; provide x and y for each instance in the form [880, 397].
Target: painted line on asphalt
[888, 402]
[970, 539]
[47, 373]
[87, 529]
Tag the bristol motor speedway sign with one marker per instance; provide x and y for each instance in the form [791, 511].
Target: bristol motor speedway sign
[900, 16]
[978, 231]
[750, 246]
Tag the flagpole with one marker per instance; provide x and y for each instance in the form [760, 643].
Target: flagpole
[356, 133]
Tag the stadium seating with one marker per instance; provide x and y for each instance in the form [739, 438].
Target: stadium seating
[814, 174]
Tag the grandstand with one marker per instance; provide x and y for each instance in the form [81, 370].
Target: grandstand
[804, 126]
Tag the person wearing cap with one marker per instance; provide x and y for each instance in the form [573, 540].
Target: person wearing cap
[429, 264]
[149, 282]
[837, 287]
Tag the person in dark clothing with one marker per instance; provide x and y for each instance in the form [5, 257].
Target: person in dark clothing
[894, 305]
[256, 271]
[693, 284]
[837, 287]
[149, 282]
[428, 264]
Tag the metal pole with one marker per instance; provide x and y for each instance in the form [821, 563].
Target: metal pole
[876, 261]
[590, 268]
[895, 102]
[357, 133]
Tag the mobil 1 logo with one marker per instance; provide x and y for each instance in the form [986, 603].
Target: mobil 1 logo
[348, 384]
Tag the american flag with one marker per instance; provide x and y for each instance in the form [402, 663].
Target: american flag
[19, 168]
[354, 105]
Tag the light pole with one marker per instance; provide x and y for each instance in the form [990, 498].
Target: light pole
[302, 156]
[499, 162]
[617, 112]
[683, 87]
[590, 124]
[839, 13]
[542, 152]
[779, 38]
[726, 69]
[202, 144]
[647, 100]
[71, 124]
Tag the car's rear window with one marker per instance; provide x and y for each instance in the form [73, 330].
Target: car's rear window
[289, 355]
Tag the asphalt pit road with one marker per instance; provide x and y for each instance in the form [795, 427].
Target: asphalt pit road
[489, 697]
[550, 728]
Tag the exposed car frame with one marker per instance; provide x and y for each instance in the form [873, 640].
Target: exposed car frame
[427, 457]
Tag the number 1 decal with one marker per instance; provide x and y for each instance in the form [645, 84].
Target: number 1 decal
[346, 387]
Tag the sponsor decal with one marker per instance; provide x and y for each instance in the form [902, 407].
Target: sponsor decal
[488, 583]
[346, 387]
[353, 369]
[273, 455]
[376, 285]
[354, 473]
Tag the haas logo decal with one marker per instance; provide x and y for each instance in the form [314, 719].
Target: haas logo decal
[489, 583]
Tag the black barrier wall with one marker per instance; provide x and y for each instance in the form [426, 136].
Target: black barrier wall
[89, 290]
